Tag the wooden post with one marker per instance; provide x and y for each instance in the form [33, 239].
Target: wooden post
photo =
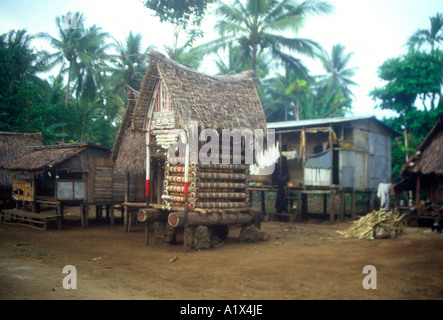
[332, 209]
[353, 211]
[84, 214]
[35, 207]
[111, 215]
[342, 205]
[146, 233]
[417, 190]
[130, 222]
[263, 207]
[125, 207]
[185, 227]
[304, 205]
[325, 204]
[59, 212]
[148, 167]
[98, 213]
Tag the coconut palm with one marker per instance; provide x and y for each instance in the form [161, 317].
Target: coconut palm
[129, 64]
[91, 61]
[431, 37]
[24, 62]
[70, 42]
[278, 100]
[338, 73]
[257, 25]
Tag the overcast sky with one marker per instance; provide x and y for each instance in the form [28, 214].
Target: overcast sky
[373, 30]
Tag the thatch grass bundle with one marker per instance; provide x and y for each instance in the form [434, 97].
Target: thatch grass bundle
[376, 224]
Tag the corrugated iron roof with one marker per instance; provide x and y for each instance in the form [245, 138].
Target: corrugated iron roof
[323, 122]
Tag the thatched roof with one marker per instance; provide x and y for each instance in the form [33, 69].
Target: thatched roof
[429, 155]
[132, 96]
[13, 145]
[216, 102]
[41, 159]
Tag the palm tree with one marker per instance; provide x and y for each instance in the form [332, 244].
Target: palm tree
[70, 42]
[24, 62]
[278, 99]
[325, 102]
[257, 25]
[129, 64]
[338, 73]
[432, 37]
[91, 61]
[237, 61]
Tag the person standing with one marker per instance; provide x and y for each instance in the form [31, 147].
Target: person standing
[281, 203]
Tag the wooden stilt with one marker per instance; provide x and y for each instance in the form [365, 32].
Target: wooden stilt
[332, 209]
[353, 210]
[263, 207]
[111, 215]
[146, 233]
[342, 205]
[325, 204]
[417, 190]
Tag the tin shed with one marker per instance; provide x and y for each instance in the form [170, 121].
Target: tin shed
[336, 155]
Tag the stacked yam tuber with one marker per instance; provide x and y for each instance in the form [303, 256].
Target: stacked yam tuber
[377, 224]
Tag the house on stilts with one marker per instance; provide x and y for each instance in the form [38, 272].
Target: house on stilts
[164, 137]
[422, 179]
[79, 175]
[328, 158]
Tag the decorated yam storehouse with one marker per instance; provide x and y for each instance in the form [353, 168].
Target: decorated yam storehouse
[165, 133]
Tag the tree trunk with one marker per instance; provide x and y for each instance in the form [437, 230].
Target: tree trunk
[254, 59]
[210, 219]
[67, 86]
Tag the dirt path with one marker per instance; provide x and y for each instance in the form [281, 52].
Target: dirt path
[300, 261]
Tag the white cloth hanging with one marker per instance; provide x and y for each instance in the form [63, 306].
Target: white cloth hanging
[383, 195]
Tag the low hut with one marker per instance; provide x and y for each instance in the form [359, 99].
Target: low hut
[75, 175]
[12, 146]
[173, 101]
[422, 175]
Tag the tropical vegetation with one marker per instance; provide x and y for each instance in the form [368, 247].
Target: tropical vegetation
[76, 90]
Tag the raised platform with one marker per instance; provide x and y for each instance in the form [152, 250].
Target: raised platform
[29, 219]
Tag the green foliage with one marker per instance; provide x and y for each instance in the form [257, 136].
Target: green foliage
[179, 12]
[258, 26]
[431, 37]
[413, 89]
[295, 96]
[73, 112]
[416, 124]
[414, 75]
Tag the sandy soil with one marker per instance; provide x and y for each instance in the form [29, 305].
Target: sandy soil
[300, 261]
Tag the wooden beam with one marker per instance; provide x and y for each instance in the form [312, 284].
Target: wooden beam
[417, 190]
[176, 219]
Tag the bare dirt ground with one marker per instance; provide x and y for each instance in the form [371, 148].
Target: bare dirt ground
[300, 261]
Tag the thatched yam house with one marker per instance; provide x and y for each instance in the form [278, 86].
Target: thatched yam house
[423, 173]
[76, 175]
[13, 145]
[171, 98]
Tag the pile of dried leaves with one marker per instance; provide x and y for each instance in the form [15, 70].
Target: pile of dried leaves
[377, 224]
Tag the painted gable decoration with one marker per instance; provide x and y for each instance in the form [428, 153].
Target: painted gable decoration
[162, 116]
